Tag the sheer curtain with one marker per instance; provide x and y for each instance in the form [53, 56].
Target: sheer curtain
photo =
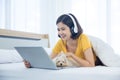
[22, 15]
[92, 16]
[37, 16]
[100, 18]
[2, 13]
[25, 15]
[97, 17]
[115, 24]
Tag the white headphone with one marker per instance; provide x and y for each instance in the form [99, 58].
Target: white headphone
[75, 25]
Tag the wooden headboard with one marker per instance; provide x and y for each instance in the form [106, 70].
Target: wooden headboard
[10, 39]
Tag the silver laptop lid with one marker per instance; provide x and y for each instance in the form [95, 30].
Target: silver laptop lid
[37, 57]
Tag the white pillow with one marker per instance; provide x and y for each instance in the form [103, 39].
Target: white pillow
[9, 56]
[105, 52]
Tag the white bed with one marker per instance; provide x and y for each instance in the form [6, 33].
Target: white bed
[17, 70]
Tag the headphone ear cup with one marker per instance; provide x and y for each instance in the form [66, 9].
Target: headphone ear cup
[72, 30]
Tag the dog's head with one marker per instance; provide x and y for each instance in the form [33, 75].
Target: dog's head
[61, 60]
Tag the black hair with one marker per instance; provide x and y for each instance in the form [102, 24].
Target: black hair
[67, 20]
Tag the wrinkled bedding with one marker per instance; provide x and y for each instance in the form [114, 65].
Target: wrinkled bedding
[17, 71]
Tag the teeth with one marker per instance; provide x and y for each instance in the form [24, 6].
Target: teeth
[62, 36]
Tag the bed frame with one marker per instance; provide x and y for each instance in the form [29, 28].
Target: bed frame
[11, 38]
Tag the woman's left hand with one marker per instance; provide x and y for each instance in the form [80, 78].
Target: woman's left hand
[69, 54]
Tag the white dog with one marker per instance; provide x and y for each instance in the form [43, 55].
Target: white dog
[62, 61]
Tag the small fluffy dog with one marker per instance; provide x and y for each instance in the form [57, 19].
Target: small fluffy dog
[62, 61]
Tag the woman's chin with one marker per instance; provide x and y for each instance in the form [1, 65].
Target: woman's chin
[64, 39]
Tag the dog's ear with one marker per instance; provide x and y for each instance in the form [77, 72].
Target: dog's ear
[59, 55]
[65, 60]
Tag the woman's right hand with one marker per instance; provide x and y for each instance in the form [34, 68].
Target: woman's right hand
[27, 64]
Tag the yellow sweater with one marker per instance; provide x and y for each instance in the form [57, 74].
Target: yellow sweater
[83, 44]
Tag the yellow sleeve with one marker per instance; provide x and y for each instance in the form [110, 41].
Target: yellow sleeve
[58, 47]
[85, 42]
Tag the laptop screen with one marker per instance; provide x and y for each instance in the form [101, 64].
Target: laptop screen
[37, 56]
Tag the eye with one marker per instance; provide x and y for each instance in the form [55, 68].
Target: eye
[58, 29]
[62, 29]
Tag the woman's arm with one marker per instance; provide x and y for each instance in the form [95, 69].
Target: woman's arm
[53, 55]
[87, 62]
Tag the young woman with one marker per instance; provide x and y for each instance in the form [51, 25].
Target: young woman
[73, 42]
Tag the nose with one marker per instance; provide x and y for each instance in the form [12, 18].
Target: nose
[60, 64]
[59, 32]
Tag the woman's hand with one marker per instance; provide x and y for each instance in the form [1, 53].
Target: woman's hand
[27, 64]
[69, 54]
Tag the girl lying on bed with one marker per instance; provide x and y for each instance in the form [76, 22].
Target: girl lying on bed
[72, 42]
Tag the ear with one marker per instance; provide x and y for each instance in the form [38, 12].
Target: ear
[65, 60]
[59, 55]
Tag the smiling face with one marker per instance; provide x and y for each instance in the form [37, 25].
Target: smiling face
[63, 31]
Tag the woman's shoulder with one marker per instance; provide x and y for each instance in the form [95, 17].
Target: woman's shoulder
[60, 41]
[83, 36]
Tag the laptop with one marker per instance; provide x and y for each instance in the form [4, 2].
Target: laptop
[38, 57]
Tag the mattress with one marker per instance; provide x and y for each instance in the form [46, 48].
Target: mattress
[17, 71]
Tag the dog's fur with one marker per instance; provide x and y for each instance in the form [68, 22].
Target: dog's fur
[62, 61]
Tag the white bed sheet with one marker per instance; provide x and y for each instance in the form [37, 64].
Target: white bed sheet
[17, 71]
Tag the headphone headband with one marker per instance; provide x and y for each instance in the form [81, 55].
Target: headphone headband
[75, 25]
